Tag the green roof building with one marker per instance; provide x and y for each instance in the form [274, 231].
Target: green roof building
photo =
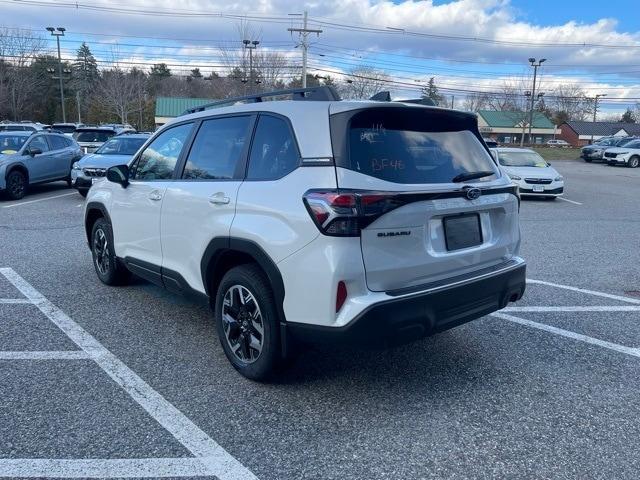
[508, 126]
[168, 108]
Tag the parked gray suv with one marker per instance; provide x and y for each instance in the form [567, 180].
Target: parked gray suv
[27, 158]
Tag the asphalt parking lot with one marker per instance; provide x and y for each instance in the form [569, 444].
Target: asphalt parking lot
[100, 382]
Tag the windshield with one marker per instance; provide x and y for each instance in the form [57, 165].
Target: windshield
[64, 128]
[10, 144]
[121, 146]
[623, 141]
[98, 136]
[412, 146]
[633, 144]
[521, 159]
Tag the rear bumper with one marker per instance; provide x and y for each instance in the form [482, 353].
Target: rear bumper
[410, 317]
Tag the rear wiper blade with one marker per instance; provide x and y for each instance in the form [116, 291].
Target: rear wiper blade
[463, 177]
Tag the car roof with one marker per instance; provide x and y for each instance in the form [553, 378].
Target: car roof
[106, 129]
[19, 133]
[132, 135]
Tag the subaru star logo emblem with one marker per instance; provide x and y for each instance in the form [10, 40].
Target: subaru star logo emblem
[473, 193]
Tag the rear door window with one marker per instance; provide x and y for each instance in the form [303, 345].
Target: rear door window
[412, 145]
[57, 143]
[274, 153]
[217, 149]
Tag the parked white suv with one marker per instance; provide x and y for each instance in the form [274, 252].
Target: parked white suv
[317, 219]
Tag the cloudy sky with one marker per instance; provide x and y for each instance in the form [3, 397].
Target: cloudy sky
[467, 45]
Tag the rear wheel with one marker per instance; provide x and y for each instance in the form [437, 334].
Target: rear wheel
[588, 160]
[109, 270]
[633, 162]
[247, 322]
[16, 185]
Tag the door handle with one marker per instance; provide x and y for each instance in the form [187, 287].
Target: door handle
[219, 199]
[155, 196]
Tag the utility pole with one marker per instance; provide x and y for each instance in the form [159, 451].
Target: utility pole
[251, 45]
[59, 32]
[78, 106]
[535, 66]
[595, 110]
[304, 36]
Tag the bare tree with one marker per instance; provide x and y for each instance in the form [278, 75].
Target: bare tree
[364, 82]
[570, 102]
[476, 101]
[18, 49]
[118, 93]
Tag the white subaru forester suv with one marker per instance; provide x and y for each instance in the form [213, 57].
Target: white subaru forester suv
[314, 219]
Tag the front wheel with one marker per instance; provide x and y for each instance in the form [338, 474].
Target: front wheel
[109, 270]
[588, 160]
[633, 162]
[83, 192]
[247, 322]
[16, 185]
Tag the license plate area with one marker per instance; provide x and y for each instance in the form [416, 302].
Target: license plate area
[538, 188]
[462, 231]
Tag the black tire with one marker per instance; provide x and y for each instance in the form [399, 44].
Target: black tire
[588, 160]
[16, 185]
[633, 162]
[238, 336]
[108, 268]
[83, 192]
[551, 199]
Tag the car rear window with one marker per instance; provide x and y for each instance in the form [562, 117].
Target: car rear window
[93, 135]
[414, 145]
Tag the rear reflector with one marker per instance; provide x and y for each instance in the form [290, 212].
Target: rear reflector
[341, 295]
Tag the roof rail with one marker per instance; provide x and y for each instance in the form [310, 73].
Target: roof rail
[385, 96]
[324, 93]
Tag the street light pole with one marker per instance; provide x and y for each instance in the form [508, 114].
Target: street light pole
[535, 66]
[251, 45]
[59, 32]
[595, 111]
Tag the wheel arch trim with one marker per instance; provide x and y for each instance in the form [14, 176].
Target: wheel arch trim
[89, 211]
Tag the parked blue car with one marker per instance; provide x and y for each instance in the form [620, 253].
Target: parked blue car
[27, 158]
[115, 151]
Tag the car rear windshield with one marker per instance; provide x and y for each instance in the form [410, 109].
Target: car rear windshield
[97, 136]
[415, 145]
[64, 128]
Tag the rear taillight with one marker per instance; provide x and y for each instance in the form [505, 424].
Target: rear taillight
[344, 213]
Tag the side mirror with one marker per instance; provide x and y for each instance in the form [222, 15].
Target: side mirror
[33, 151]
[119, 174]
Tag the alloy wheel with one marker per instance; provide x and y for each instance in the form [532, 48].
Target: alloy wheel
[101, 251]
[16, 186]
[242, 323]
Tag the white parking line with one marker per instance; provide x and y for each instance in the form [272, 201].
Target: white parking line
[48, 355]
[38, 200]
[594, 308]
[583, 290]
[567, 200]
[568, 334]
[211, 456]
[102, 468]
[11, 301]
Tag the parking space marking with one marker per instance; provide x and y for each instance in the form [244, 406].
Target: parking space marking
[593, 308]
[38, 200]
[103, 468]
[583, 290]
[48, 355]
[567, 200]
[569, 334]
[12, 301]
[214, 459]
